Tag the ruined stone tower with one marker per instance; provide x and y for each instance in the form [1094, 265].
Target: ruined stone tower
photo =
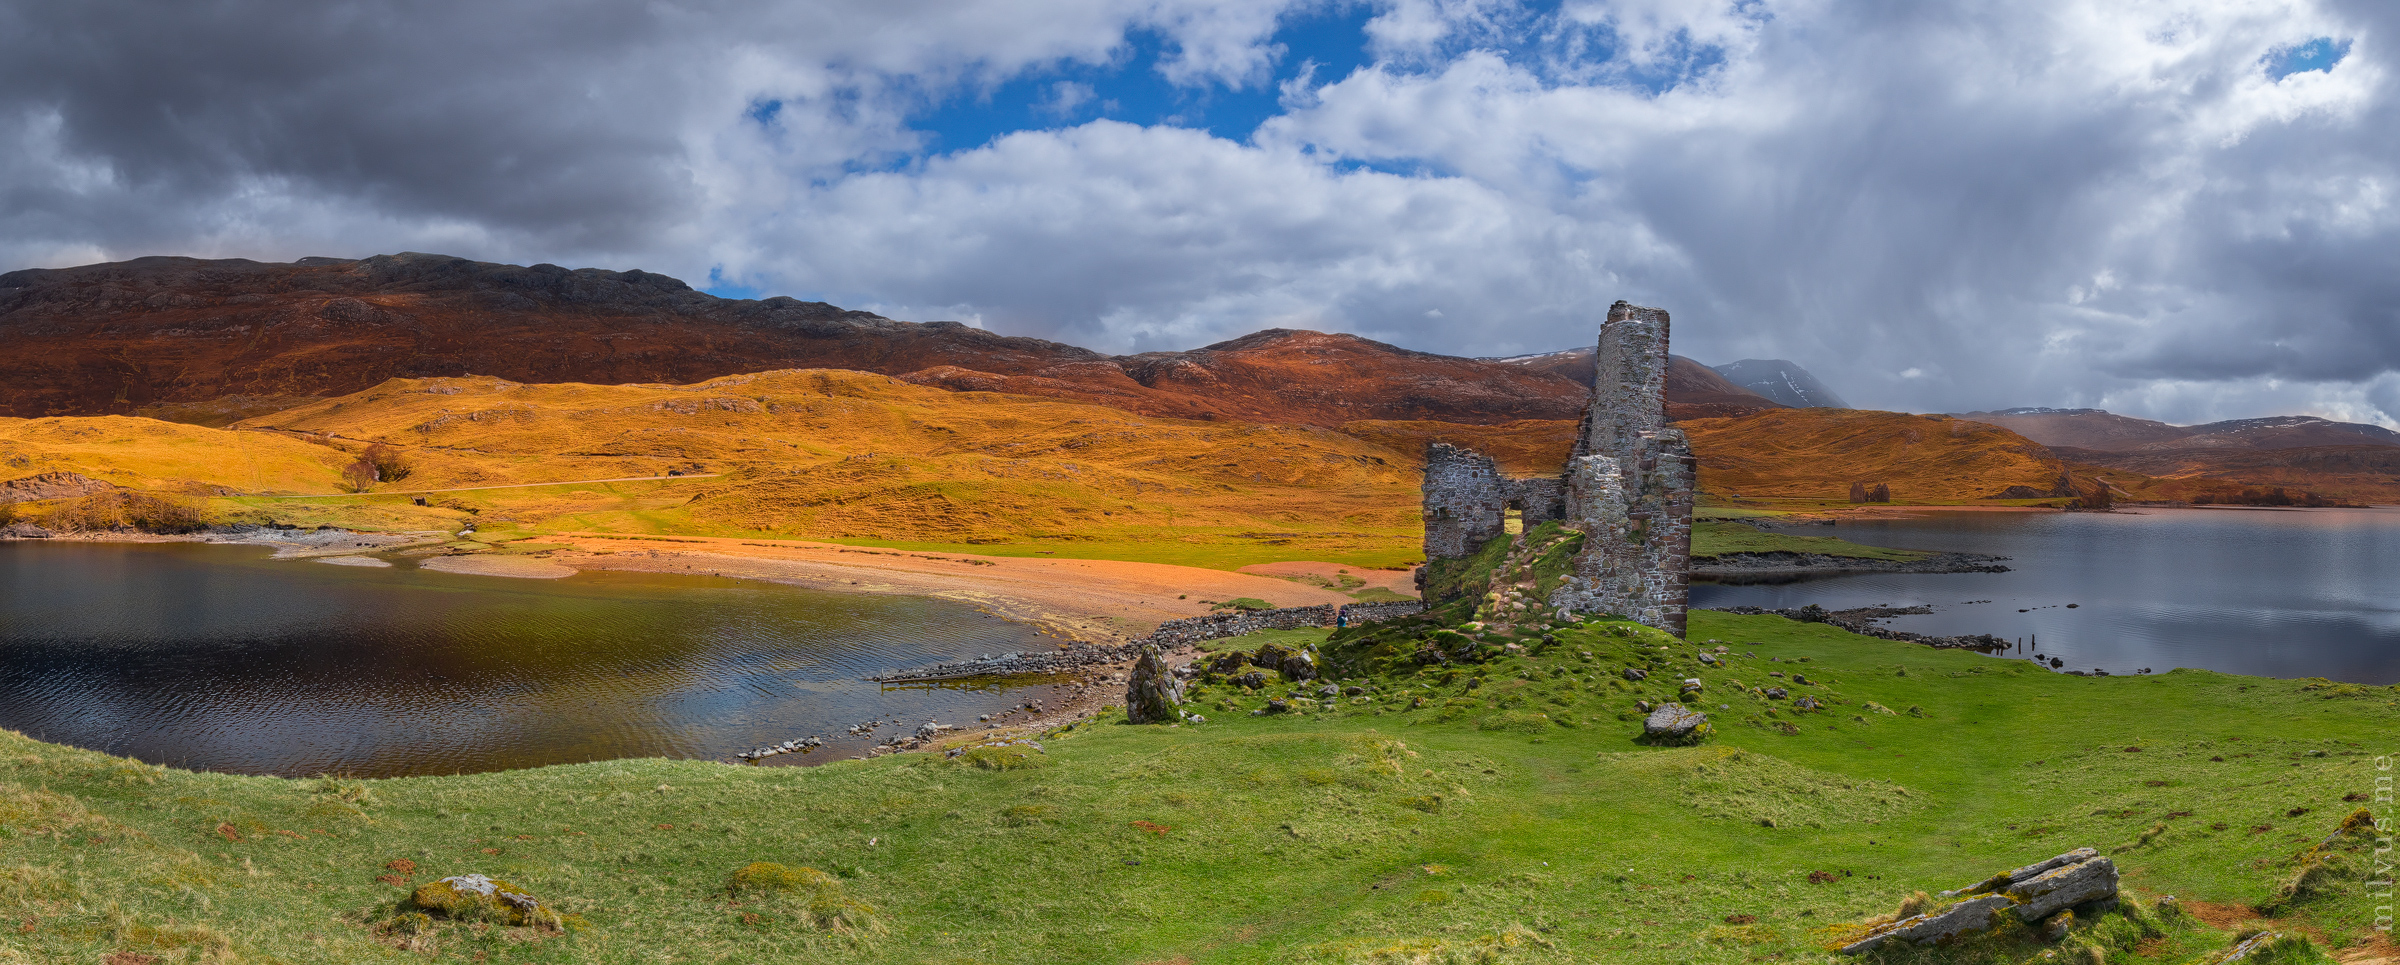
[1627, 488]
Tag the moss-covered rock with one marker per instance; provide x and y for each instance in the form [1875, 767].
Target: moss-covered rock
[475, 897]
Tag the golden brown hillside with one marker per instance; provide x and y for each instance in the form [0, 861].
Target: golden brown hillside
[167, 457]
[835, 454]
[1818, 453]
[1527, 447]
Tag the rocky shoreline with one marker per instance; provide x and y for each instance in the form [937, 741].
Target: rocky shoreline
[1068, 658]
[1861, 621]
[1786, 567]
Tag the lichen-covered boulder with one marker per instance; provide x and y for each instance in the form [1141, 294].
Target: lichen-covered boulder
[1153, 694]
[475, 897]
[1972, 915]
[2062, 886]
[1674, 724]
[2043, 890]
[1299, 666]
[1636, 673]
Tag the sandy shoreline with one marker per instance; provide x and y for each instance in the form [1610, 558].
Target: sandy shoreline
[1097, 601]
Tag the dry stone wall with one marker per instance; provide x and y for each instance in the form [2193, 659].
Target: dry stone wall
[1466, 501]
[1357, 613]
[1217, 626]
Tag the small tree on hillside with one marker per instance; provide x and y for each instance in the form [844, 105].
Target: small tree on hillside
[360, 475]
[390, 464]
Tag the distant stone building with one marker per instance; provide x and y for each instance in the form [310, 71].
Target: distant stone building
[1627, 488]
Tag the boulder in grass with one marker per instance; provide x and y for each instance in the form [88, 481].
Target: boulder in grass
[1972, 915]
[474, 897]
[1675, 724]
[2031, 894]
[1153, 694]
[2063, 886]
[1271, 656]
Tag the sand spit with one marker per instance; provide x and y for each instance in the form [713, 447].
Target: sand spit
[1099, 601]
[516, 567]
[353, 561]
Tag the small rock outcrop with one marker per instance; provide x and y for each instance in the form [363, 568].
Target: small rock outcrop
[51, 485]
[1675, 724]
[2029, 894]
[1153, 694]
[24, 531]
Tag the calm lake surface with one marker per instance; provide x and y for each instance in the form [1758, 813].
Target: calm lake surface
[2278, 593]
[218, 658]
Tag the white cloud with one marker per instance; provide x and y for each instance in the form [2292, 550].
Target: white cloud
[2049, 202]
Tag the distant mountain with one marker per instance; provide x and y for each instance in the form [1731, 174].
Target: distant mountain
[214, 341]
[2101, 430]
[2079, 428]
[1782, 381]
[1694, 391]
[2282, 432]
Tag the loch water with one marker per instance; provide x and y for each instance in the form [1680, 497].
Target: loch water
[2268, 592]
[220, 658]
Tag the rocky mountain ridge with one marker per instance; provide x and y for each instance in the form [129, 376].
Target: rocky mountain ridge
[2105, 431]
[212, 342]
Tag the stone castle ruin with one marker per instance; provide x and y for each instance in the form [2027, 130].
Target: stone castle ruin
[1627, 488]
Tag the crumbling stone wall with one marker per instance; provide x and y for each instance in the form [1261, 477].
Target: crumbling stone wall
[1540, 499]
[1628, 487]
[1466, 501]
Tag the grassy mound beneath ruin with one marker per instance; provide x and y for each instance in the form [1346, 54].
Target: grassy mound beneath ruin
[1715, 538]
[1493, 812]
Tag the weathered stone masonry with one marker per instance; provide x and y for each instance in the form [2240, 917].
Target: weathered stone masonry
[1627, 488]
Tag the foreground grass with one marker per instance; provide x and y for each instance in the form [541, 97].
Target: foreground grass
[1509, 819]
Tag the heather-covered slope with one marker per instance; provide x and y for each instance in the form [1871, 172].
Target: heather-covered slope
[1818, 453]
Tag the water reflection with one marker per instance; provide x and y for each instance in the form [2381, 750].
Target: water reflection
[2284, 593]
[214, 657]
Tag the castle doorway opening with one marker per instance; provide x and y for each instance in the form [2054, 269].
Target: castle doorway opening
[1512, 522]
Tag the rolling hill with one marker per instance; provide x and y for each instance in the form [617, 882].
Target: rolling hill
[2104, 431]
[831, 454]
[1818, 453]
[210, 342]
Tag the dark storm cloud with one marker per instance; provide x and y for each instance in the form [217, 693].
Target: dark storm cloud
[1933, 205]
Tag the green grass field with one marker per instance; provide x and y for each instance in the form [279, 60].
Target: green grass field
[1511, 818]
